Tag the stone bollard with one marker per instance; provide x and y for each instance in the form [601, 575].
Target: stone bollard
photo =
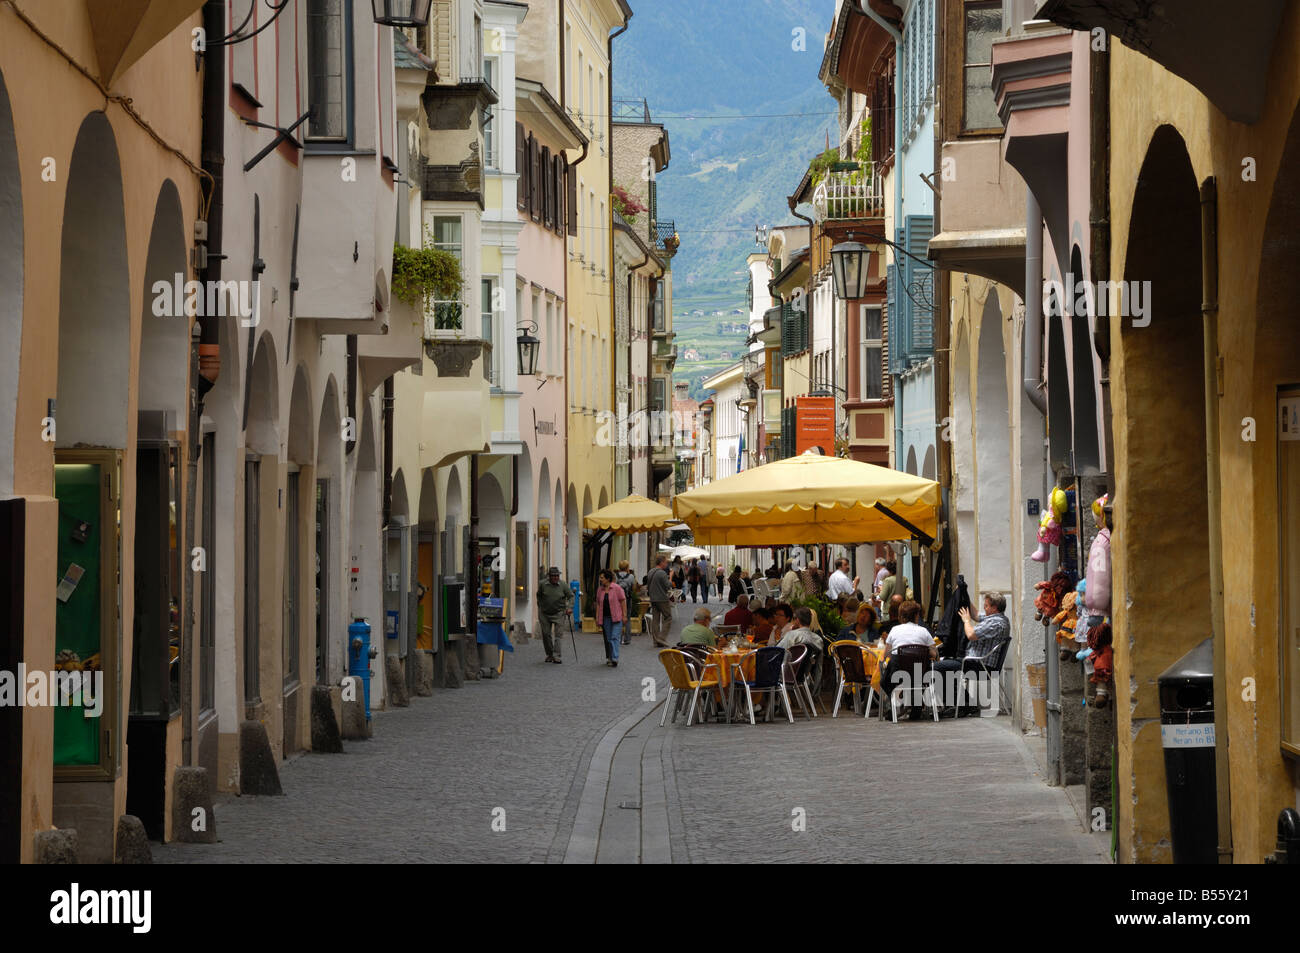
[355, 727]
[257, 770]
[192, 819]
[132, 842]
[325, 738]
[55, 847]
[396, 681]
[423, 662]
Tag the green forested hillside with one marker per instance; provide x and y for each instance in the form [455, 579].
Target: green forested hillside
[694, 61]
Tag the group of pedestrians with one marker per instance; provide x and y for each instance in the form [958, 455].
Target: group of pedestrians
[696, 576]
[614, 594]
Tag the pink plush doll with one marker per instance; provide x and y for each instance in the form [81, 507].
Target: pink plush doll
[1049, 526]
[1097, 597]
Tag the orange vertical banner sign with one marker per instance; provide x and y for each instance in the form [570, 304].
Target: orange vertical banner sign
[815, 424]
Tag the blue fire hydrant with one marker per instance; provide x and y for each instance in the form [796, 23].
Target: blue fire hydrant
[359, 655]
[577, 602]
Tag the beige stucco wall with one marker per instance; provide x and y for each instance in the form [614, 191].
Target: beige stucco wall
[1262, 780]
[164, 88]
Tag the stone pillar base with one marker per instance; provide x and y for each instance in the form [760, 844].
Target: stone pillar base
[257, 771]
[325, 737]
[132, 842]
[55, 847]
[395, 677]
[192, 819]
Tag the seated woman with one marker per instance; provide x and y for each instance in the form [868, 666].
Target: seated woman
[863, 626]
[762, 626]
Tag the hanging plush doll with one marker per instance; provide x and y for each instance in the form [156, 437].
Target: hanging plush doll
[1103, 662]
[1067, 618]
[1097, 601]
[1049, 525]
[1050, 594]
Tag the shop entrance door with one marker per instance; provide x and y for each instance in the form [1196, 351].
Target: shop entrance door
[155, 661]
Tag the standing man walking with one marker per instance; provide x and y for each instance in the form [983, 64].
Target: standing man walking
[693, 580]
[705, 575]
[554, 600]
[660, 588]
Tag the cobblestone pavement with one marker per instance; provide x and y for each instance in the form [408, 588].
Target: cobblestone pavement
[912, 792]
[424, 787]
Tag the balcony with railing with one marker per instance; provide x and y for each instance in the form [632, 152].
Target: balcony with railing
[666, 239]
[631, 110]
[850, 194]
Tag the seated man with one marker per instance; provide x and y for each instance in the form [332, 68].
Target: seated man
[740, 615]
[908, 644]
[802, 633]
[782, 621]
[698, 632]
[895, 603]
[762, 626]
[982, 638]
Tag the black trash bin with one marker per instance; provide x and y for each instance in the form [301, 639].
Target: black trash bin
[1187, 735]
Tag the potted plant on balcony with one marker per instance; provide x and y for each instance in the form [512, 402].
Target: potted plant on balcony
[430, 280]
[627, 206]
[421, 274]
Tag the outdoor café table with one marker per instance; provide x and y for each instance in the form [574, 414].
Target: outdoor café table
[727, 660]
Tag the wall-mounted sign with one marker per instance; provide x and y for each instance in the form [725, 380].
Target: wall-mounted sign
[1288, 423]
[815, 424]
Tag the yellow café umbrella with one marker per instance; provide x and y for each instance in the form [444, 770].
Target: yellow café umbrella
[810, 499]
[632, 514]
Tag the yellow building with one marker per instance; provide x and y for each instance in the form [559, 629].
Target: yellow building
[587, 41]
[1203, 205]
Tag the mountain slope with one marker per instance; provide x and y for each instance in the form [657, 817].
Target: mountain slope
[716, 58]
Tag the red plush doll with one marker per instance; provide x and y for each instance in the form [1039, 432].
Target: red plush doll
[1103, 661]
[1051, 592]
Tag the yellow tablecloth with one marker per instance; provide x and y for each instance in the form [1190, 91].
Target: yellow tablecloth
[725, 659]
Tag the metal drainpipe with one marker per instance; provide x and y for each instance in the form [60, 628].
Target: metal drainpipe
[213, 145]
[609, 224]
[1214, 499]
[351, 343]
[389, 401]
[1032, 359]
[1032, 382]
[471, 562]
[1099, 253]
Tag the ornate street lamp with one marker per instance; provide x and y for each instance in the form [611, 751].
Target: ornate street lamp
[851, 266]
[401, 12]
[528, 346]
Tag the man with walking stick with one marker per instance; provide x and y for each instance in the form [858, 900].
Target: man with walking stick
[660, 587]
[553, 600]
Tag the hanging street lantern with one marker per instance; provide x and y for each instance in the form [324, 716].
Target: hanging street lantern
[528, 346]
[401, 12]
[851, 266]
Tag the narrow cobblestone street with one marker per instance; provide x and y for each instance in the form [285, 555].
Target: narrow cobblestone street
[582, 770]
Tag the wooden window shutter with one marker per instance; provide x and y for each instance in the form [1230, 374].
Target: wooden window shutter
[521, 166]
[557, 195]
[548, 188]
[557, 176]
[535, 179]
[571, 200]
